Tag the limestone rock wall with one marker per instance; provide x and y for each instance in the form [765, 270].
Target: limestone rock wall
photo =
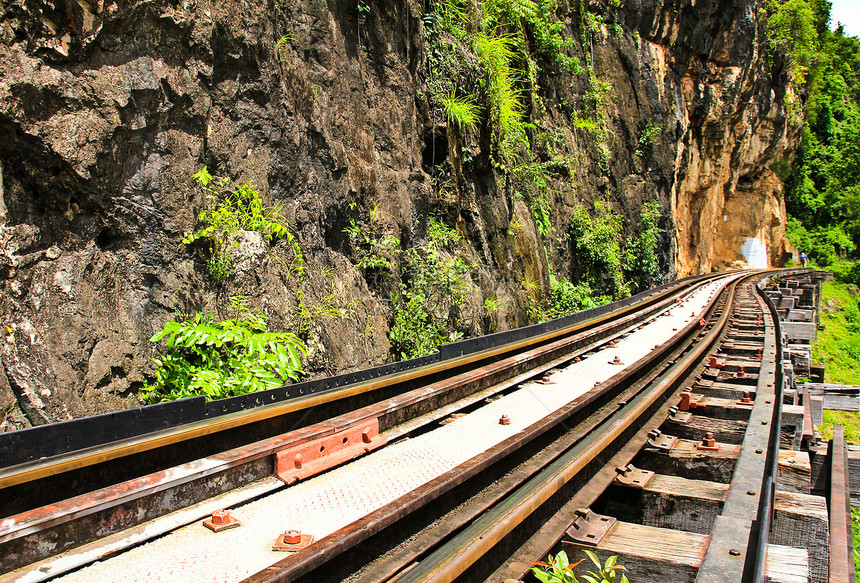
[107, 108]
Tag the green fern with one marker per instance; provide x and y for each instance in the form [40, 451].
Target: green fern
[223, 359]
[463, 112]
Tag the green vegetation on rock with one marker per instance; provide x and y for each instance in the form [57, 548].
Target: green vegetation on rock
[232, 210]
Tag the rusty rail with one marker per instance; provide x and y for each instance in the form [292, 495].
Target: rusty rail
[841, 539]
[495, 518]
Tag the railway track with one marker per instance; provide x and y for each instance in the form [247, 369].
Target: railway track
[468, 468]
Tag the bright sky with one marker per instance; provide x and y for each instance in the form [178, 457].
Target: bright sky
[848, 13]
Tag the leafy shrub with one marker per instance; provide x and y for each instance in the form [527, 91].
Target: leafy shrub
[232, 211]
[791, 30]
[375, 254]
[559, 570]
[223, 359]
[567, 298]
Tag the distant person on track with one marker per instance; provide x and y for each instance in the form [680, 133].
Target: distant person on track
[803, 259]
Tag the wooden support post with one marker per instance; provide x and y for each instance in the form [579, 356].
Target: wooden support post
[795, 471]
[800, 520]
[786, 565]
[792, 417]
[854, 473]
[668, 502]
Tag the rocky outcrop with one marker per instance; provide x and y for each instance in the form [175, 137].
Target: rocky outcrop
[107, 108]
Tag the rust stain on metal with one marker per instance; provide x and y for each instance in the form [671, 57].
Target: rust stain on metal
[317, 455]
[632, 476]
[589, 528]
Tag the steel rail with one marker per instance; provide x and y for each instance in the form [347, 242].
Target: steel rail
[738, 542]
[468, 546]
[82, 507]
[549, 537]
[32, 471]
[318, 555]
[766, 503]
[841, 540]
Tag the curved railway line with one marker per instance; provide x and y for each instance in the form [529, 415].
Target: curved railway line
[651, 431]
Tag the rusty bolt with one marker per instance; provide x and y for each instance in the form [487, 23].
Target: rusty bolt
[220, 520]
[702, 323]
[616, 360]
[292, 537]
[746, 397]
[611, 344]
[692, 314]
[504, 420]
[577, 359]
[708, 440]
[220, 517]
[297, 461]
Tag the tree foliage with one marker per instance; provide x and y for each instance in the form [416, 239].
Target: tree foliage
[822, 189]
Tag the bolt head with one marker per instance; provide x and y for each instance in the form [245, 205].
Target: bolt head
[292, 537]
[220, 517]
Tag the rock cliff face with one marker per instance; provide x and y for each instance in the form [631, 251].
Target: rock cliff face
[107, 108]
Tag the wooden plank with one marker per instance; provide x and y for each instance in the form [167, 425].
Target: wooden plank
[792, 417]
[724, 430]
[653, 554]
[724, 408]
[795, 471]
[800, 520]
[786, 565]
[687, 461]
[722, 390]
[799, 330]
[800, 315]
[668, 502]
[854, 473]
